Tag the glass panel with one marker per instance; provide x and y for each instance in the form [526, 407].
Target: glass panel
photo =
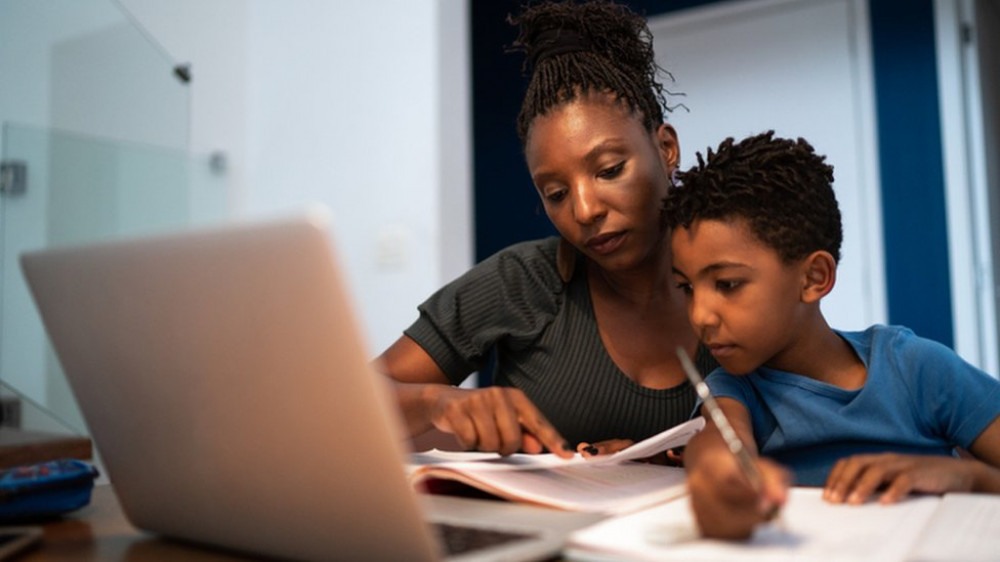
[82, 189]
[92, 109]
[84, 66]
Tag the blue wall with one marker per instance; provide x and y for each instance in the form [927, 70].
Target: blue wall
[507, 209]
[911, 167]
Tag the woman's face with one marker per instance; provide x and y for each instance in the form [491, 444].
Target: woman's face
[601, 177]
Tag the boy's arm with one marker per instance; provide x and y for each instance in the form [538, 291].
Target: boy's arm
[986, 448]
[725, 504]
[855, 479]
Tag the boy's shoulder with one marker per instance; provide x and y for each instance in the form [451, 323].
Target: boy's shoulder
[881, 337]
[900, 346]
[877, 332]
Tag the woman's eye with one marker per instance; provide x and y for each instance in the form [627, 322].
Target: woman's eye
[612, 172]
[556, 196]
[685, 287]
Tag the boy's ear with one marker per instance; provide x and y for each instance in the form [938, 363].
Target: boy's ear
[820, 275]
[669, 146]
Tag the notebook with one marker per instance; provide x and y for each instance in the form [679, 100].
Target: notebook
[229, 394]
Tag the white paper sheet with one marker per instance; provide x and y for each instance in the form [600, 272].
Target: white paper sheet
[964, 527]
[808, 529]
[674, 437]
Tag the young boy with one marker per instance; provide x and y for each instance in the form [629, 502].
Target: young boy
[756, 237]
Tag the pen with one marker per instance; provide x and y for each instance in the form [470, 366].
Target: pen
[732, 440]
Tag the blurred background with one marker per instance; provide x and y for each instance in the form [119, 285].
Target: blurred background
[129, 117]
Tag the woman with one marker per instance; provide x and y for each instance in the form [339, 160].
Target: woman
[584, 326]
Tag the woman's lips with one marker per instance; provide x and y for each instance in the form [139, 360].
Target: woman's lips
[604, 244]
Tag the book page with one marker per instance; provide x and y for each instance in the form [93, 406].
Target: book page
[676, 436]
[602, 488]
[611, 484]
[964, 527]
[808, 529]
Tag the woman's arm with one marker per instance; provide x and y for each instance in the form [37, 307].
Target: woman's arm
[416, 380]
[495, 418]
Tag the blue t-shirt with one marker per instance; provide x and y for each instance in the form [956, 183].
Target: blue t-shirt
[919, 397]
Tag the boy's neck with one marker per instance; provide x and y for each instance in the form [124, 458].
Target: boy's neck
[821, 354]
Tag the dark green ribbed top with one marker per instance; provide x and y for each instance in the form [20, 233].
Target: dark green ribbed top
[547, 344]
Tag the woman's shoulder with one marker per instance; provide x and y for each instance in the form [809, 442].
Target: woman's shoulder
[539, 250]
[532, 262]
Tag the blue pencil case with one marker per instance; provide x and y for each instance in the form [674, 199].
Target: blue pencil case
[39, 491]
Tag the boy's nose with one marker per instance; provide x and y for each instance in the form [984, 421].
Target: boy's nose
[702, 314]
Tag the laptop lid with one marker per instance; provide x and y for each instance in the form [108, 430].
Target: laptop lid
[228, 391]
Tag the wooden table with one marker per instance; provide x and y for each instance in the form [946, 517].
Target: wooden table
[101, 532]
[19, 446]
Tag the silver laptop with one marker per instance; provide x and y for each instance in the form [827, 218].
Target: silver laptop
[229, 394]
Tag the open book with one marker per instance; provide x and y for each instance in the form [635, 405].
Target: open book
[610, 484]
[952, 527]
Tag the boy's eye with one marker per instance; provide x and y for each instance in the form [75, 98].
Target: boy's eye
[612, 172]
[728, 285]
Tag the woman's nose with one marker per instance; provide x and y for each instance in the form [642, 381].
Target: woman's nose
[588, 207]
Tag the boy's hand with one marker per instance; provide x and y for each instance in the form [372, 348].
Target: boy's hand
[855, 479]
[725, 505]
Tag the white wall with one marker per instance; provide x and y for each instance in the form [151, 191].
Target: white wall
[804, 70]
[344, 109]
[211, 35]
[967, 131]
[361, 106]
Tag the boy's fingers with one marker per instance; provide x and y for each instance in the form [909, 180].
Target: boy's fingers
[775, 481]
[842, 479]
[901, 487]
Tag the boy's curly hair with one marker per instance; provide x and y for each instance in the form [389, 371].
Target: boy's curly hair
[573, 49]
[781, 187]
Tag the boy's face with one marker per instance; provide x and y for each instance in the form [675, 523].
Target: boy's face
[743, 300]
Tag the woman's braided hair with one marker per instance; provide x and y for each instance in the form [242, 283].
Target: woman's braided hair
[574, 49]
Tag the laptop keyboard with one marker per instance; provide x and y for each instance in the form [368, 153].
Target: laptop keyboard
[458, 539]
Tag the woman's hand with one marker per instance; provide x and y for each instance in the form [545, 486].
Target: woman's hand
[499, 419]
[496, 418]
[855, 479]
[609, 447]
[671, 457]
